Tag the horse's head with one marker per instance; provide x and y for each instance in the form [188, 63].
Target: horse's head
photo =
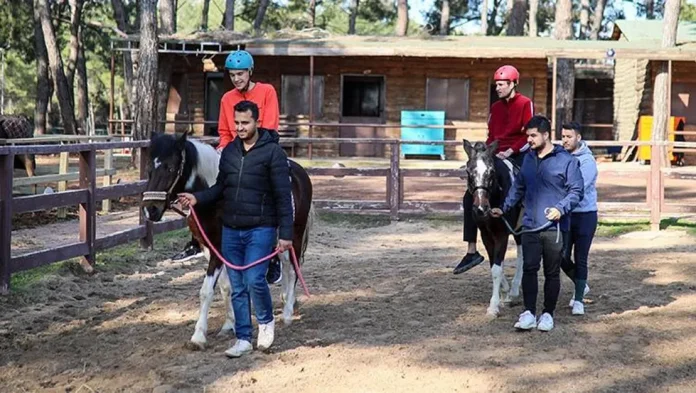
[482, 180]
[165, 174]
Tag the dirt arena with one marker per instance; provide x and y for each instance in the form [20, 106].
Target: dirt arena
[386, 315]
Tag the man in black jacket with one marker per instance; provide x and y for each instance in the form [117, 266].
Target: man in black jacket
[254, 181]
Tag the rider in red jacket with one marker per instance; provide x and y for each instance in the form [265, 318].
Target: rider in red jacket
[506, 122]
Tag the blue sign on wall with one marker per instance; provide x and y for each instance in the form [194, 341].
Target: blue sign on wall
[430, 118]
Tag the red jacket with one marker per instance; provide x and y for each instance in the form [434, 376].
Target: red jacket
[507, 120]
[263, 95]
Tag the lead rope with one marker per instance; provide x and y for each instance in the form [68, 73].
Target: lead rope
[534, 230]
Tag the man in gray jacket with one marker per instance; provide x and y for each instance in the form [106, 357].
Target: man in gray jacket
[583, 220]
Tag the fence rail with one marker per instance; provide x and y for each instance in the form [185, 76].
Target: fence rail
[393, 204]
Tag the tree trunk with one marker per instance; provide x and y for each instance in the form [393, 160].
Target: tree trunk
[167, 11]
[229, 15]
[82, 96]
[597, 19]
[584, 19]
[354, 4]
[260, 15]
[74, 45]
[650, 9]
[402, 18]
[44, 90]
[517, 16]
[121, 18]
[484, 17]
[312, 13]
[661, 90]
[145, 120]
[204, 15]
[55, 63]
[533, 10]
[164, 78]
[566, 71]
[445, 17]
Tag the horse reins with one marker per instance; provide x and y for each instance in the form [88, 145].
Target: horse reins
[165, 197]
[520, 232]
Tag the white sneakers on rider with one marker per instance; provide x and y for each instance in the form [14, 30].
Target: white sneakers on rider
[584, 293]
[528, 321]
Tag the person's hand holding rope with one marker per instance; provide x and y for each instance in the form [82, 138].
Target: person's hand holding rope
[187, 200]
[552, 214]
[496, 212]
[284, 245]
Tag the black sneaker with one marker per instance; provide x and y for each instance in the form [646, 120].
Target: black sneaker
[191, 251]
[469, 261]
[274, 273]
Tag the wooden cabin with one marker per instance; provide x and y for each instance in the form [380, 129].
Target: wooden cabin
[369, 80]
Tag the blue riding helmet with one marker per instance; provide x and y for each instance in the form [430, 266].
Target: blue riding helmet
[239, 60]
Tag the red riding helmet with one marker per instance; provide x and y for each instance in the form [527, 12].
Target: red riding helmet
[507, 73]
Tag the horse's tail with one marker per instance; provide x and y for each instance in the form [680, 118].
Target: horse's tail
[311, 216]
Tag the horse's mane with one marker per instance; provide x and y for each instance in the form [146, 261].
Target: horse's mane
[207, 163]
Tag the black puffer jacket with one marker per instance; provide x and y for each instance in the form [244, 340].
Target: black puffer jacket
[255, 187]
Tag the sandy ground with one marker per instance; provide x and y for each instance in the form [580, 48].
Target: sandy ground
[386, 315]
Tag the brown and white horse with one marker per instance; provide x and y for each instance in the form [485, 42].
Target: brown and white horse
[177, 165]
[489, 187]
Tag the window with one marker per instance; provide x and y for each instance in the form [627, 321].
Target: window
[526, 87]
[295, 95]
[178, 95]
[214, 90]
[362, 96]
[449, 95]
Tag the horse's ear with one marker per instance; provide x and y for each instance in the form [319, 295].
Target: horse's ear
[181, 141]
[493, 147]
[468, 148]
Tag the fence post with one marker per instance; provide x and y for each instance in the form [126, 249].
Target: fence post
[63, 185]
[145, 242]
[656, 185]
[6, 175]
[394, 181]
[108, 166]
[88, 210]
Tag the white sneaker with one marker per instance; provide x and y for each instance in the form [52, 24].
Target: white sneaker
[239, 348]
[584, 293]
[266, 335]
[578, 308]
[545, 322]
[527, 321]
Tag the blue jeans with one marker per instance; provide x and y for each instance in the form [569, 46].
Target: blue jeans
[578, 243]
[241, 247]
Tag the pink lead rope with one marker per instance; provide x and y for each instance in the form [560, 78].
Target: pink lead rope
[293, 257]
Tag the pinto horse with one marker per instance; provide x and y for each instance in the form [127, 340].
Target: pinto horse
[489, 187]
[181, 165]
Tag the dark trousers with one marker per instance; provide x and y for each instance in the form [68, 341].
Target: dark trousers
[535, 247]
[578, 243]
[470, 229]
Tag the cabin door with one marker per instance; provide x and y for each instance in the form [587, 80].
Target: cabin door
[362, 102]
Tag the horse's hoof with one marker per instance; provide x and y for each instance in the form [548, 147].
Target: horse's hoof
[195, 345]
[492, 313]
[513, 301]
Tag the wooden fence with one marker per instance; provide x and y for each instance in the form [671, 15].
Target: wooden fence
[394, 204]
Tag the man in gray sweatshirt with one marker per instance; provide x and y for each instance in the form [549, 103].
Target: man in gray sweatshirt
[583, 220]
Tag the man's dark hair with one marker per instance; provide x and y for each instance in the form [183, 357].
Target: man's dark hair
[248, 106]
[541, 123]
[573, 125]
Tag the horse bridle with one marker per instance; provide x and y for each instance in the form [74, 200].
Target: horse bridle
[166, 195]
